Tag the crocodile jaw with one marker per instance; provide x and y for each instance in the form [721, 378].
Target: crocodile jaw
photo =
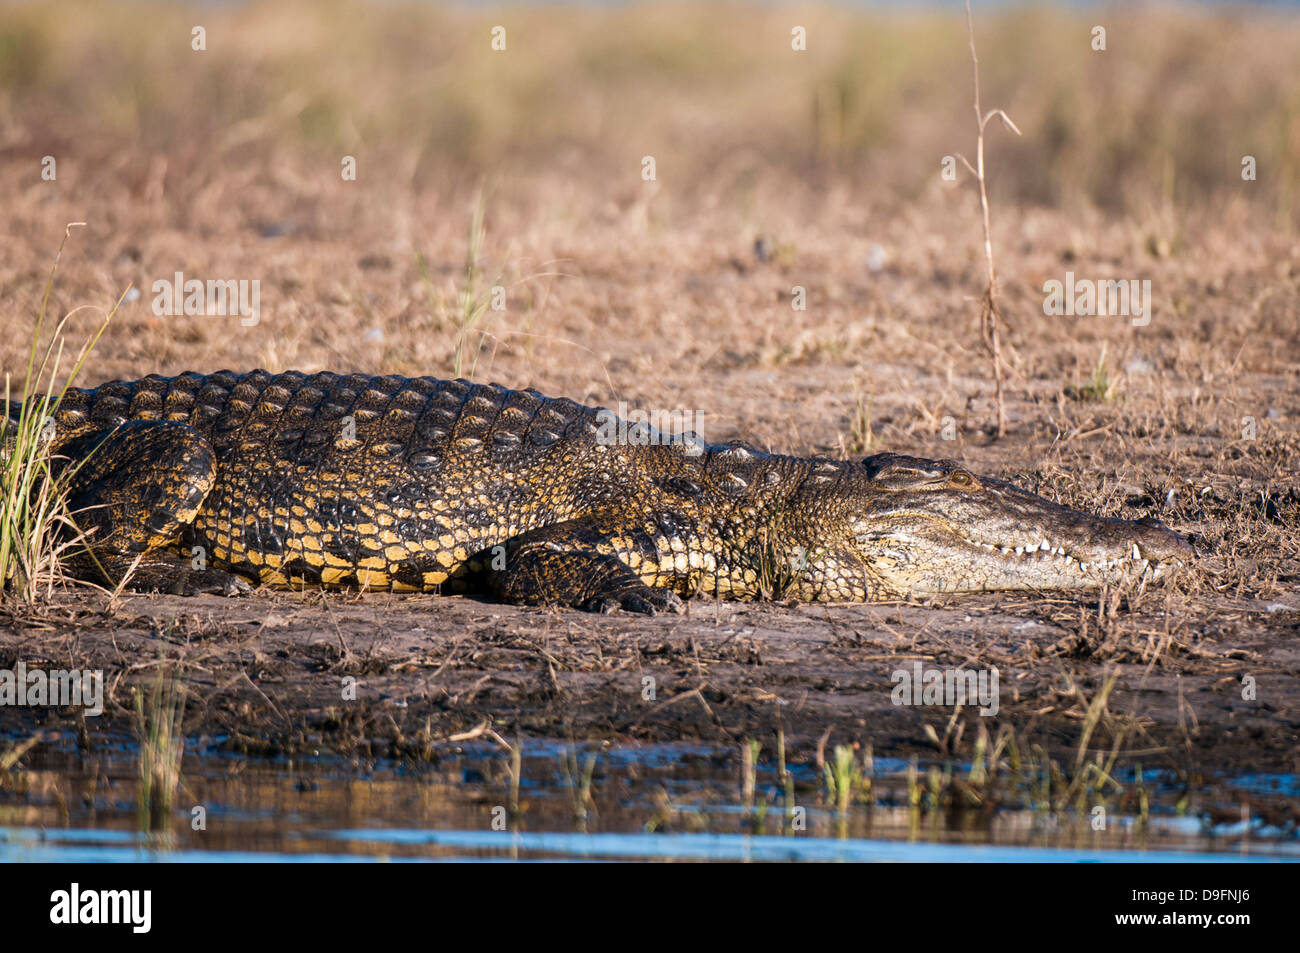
[925, 557]
[999, 537]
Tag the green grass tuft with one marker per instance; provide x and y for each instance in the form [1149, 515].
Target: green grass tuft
[35, 527]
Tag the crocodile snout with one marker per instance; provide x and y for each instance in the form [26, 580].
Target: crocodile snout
[1158, 543]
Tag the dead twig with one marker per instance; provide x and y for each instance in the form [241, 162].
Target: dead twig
[990, 315]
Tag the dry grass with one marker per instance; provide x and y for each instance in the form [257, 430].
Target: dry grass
[990, 316]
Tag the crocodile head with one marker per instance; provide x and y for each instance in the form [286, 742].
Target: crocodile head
[915, 527]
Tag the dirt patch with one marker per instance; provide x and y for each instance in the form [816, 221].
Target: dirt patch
[382, 675]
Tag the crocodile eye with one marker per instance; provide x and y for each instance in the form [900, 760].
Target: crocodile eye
[959, 478]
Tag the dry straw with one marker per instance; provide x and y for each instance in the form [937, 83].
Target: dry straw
[990, 315]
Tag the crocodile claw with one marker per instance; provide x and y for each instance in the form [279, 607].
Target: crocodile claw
[648, 602]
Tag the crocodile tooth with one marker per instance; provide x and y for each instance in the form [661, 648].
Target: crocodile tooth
[1136, 554]
[1020, 550]
[1045, 545]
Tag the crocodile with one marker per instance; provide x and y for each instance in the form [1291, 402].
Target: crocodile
[217, 482]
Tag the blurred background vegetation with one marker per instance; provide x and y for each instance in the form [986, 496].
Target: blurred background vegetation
[775, 168]
[881, 94]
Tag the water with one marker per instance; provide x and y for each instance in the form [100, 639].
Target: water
[671, 802]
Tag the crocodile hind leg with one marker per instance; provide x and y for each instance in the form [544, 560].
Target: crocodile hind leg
[572, 564]
[133, 489]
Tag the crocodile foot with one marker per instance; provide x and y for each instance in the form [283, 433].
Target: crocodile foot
[193, 582]
[181, 580]
[563, 565]
[646, 600]
[163, 573]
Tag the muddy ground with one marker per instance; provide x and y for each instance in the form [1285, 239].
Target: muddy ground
[268, 675]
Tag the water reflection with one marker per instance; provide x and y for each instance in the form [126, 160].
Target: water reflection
[580, 802]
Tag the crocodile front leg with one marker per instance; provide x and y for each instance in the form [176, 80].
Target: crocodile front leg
[132, 490]
[574, 564]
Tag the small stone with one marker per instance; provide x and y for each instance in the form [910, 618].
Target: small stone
[876, 257]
